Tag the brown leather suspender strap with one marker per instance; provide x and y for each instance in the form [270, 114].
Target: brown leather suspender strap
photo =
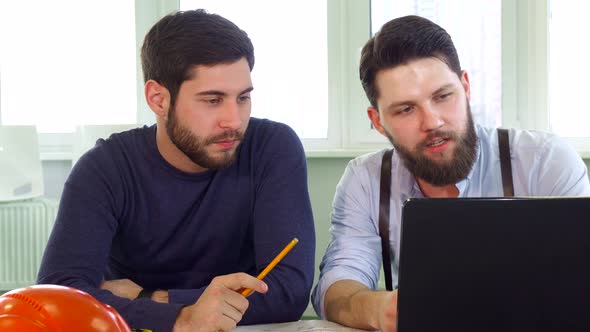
[505, 163]
[384, 195]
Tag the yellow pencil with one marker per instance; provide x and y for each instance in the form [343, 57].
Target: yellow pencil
[272, 264]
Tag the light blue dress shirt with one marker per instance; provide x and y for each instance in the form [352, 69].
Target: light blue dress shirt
[542, 165]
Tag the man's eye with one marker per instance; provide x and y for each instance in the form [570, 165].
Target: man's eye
[445, 96]
[213, 101]
[244, 99]
[406, 109]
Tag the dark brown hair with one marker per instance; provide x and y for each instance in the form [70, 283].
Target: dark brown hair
[184, 39]
[400, 41]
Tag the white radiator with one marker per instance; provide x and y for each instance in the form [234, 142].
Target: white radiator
[24, 230]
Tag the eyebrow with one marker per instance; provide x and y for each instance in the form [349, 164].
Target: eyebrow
[221, 93]
[408, 102]
[442, 88]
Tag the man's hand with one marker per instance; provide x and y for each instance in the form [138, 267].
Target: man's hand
[221, 306]
[122, 287]
[388, 312]
[353, 304]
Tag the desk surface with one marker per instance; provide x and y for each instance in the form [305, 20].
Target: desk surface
[299, 326]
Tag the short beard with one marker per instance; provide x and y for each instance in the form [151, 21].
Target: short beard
[442, 173]
[195, 147]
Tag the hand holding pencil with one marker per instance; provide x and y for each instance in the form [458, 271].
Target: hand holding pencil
[219, 308]
[272, 264]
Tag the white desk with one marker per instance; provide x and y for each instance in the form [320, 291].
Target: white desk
[299, 326]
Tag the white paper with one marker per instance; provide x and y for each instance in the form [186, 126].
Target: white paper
[299, 326]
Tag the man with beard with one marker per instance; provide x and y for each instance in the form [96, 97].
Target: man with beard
[420, 101]
[170, 223]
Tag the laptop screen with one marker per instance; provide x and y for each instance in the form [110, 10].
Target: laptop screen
[495, 264]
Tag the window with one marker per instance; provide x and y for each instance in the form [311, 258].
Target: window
[306, 76]
[65, 63]
[483, 61]
[290, 74]
[477, 37]
[543, 68]
[61, 65]
[568, 68]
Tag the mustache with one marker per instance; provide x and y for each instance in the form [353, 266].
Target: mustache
[438, 133]
[233, 135]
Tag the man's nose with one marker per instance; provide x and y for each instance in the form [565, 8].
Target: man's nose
[230, 116]
[431, 119]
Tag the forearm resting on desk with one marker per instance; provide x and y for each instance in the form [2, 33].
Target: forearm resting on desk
[128, 289]
[220, 307]
[353, 304]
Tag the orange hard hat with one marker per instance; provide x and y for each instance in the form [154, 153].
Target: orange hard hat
[56, 309]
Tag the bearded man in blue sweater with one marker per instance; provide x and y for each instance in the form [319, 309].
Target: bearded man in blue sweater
[169, 223]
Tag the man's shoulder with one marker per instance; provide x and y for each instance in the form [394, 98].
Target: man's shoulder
[263, 136]
[368, 163]
[533, 138]
[519, 138]
[131, 134]
[530, 148]
[263, 127]
[371, 158]
[123, 144]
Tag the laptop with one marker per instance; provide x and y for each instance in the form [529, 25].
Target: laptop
[495, 264]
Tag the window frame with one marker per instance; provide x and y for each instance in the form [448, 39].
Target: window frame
[525, 77]
[525, 51]
[60, 146]
[525, 48]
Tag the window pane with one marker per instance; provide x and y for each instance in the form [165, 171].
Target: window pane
[291, 72]
[67, 62]
[568, 69]
[476, 29]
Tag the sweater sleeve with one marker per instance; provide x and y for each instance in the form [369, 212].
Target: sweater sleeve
[78, 248]
[281, 212]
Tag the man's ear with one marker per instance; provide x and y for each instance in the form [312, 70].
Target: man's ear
[158, 98]
[375, 118]
[465, 83]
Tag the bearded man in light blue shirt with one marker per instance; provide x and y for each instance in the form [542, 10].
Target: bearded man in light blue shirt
[420, 101]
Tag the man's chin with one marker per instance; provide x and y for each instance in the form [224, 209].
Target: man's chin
[438, 159]
[223, 159]
[219, 153]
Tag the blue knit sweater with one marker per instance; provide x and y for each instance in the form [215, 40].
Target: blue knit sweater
[126, 213]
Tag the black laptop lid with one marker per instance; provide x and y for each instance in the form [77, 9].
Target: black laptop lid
[495, 264]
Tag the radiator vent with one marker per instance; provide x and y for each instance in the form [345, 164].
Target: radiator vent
[24, 230]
